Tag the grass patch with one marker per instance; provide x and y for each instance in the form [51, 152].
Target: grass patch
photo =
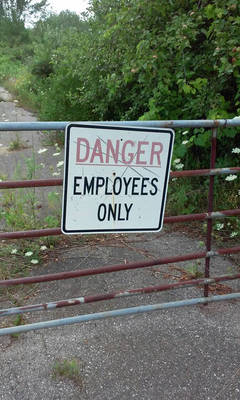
[54, 138]
[70, 370]
[16, 144]
[193, 271]
[19, 320]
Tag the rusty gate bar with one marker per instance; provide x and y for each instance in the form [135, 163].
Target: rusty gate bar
[115, 268]
[204, 172]
[167, 220]
[201, 216]
[59, 182]
[116, 313]
[31, 183]
[210, 205]
[114, 295]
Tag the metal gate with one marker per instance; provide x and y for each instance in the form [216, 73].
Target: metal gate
[209, 215]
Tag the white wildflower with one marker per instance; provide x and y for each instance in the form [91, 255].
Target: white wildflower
[184, 133]
[56, 154]
[236, 150]
[231, 178]
[60, 164]
[1, 144]
[14, 251]
[219, 226]
[56, 173]
[29, 253]
[57, 147]
[15, 101]
[185, 141]
[42, 165]
[40, 151]
[177, 160]
[179, 166]
[34, 261]
[233, 234]
[43, 248]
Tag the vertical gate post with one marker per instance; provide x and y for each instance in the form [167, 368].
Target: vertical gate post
[210, 206]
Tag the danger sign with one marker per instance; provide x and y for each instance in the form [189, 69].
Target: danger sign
[115, 178]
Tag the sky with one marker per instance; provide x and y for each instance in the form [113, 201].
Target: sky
[73, 5]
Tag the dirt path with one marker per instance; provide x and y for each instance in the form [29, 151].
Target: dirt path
[188, 353]
[26, 154]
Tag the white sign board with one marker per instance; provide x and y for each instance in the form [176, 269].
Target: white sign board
[115, 178]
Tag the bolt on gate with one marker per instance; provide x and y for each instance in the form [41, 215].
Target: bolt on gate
[209, 215]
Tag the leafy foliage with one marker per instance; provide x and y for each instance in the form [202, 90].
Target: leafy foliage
[138, 59]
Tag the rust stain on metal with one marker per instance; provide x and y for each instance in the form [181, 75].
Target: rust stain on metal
[30, 183]
[31, 233]
[216, 123]
[210, 205]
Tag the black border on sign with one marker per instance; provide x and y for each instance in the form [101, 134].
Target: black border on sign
[65, 181]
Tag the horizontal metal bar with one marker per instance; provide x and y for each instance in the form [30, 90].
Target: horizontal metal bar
[30, 233]
[167, 220]
[205, 172]
[115, 268]
[44, 125]
[114, 295]
[201, 216]
[116, 313]
[30, 183]
[99, 270]
[59, 182]
[33, 126]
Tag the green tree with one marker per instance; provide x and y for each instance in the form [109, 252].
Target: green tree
[48, 35]
[17, 10]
